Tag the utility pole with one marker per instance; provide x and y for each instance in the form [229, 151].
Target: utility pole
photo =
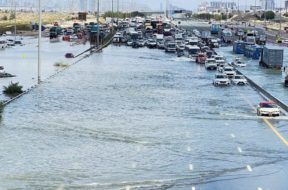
[227, 11]
[238, 7]
[98, 24]
[112, 16]
[280, 18]
[39, 41]
[265, 18]
[167, 8]
[255, 16]
[15, 21]
[117, 10]
[112, 9]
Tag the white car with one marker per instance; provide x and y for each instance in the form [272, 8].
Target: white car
[285, 42]
[3, 44]
[229, 71]
[221, 80]
[219, 57]
[238, 63]
[268, 109]
[210, 64]
[239, 80]
[130, 43]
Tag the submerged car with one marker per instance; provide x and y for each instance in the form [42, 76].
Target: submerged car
[239, 80]
[221, 80]
[69, 55]
[268, 108]
[238, 63]
[229, 71]
[210, 64]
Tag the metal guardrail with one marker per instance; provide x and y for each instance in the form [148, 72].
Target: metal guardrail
[108, 39]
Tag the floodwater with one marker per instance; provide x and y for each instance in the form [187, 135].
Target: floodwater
[139, 119]
[22, 60]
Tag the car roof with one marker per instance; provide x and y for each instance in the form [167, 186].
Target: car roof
[220, 74]
[267, 102]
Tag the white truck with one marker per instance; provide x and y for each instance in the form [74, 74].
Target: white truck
[160, 41]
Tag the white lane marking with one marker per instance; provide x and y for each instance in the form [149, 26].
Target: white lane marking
[134, 165]
[61, 187]
[138, 148]
[193, 188]
[227, 124]
[191, 167]
[128, 188]
[239, 150]
[259, 188]
[232, 135]
[249, 168]
[189, 149]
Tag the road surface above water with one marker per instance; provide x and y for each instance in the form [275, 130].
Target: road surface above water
[139, 119]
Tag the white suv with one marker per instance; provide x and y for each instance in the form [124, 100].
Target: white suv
[229, 71]
[221, 79]
[239, 80]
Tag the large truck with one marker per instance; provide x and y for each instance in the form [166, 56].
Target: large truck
[227, 36]
[272, 57]
[160, 41]
[170, 45]
[215, 28]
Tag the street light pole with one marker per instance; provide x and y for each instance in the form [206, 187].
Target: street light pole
[255, 16]
[238, 7]
[280, 18]
[112, 16]
[15, 21]
[98, 31]
[265, 18]
[39, 41]
[118, 6]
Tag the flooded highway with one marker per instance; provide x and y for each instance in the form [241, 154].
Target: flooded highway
[140, 119]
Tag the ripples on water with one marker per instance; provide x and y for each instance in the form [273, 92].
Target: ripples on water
[124, 119]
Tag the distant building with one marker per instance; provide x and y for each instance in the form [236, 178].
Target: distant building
[223, 5]
[268, 4]
[255, 8]
[217, 6]
[180, 14]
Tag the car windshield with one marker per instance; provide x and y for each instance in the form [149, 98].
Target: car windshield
[221, 76]
[268, 105]
[239, 77]
[228, 69]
